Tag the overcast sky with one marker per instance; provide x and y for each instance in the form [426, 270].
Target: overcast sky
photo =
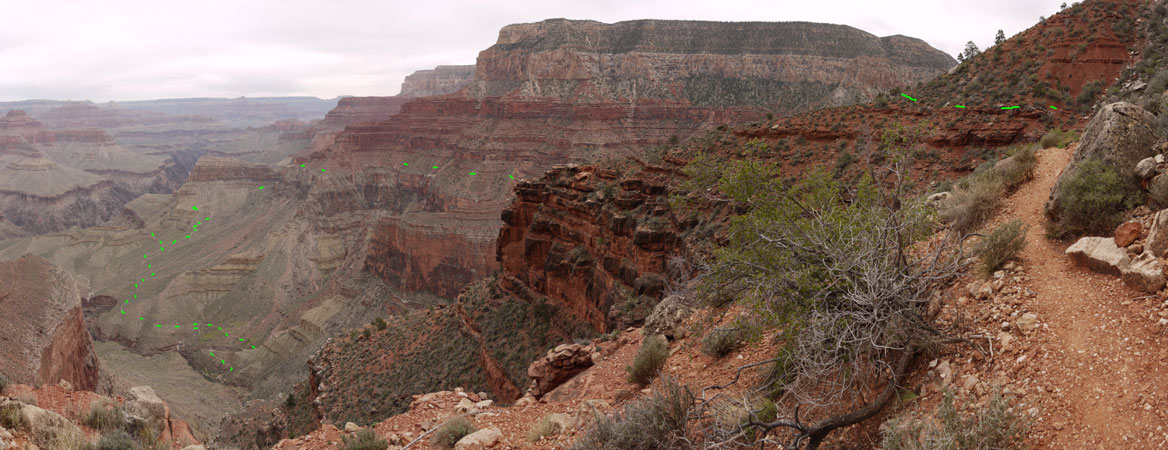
[137, 50]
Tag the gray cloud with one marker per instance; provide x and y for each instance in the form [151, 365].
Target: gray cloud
[138, 49]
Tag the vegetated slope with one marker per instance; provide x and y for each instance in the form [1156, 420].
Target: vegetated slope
[1066, 61]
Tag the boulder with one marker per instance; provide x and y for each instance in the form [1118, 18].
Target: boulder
[938, 198]
[484, 438]
[1120, 135]
[43, 426]
[1146, 168]
[1145, 273]
[1100, 255]
[466, 406]
[1127, 233]
[351, 427]
[667, 317]
[558, 366]
[1157, 242]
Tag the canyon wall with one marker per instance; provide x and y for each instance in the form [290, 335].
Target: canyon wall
[440, 80]
[43, 338]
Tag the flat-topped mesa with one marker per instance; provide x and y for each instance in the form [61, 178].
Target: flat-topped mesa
[441, 80]
[353, 110]
[88, 136]
[215, 168]
[43, 331]
[778, 66]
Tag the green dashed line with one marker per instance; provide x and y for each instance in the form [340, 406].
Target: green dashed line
[157, 325]
[959, 106]
[194, 208]
[261, 187]
[435, 167]
[1053, 107]
[123, 312]
[405, 164]
[302, 165]
[906, 96]
[472, 173]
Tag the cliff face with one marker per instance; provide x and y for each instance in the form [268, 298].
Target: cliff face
[572, 91]
[587, 241]
[439, 81]
[42, 331]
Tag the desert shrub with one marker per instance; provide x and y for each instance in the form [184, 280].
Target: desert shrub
[10, 416]
[3, 383]
[542, 429]
[118, 440]
[1001, 245]
[652, 422]
[1094, 200]
[649, 360]
[452, 431]
[63, 439]
[720, 342]
[973, 202]
[992, 426]
[1058, 138]
[363, 440]
[975, 198]
[380, 323]
[104, 416]
[290, 402]
[27, 397]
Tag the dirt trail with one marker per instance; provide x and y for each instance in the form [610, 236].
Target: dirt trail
[1097, 363]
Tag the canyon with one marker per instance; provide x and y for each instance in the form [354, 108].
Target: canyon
[392, 206]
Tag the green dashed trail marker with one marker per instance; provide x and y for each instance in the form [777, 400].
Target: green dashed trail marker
[1053, 107]
[1011, 107]
[261, 187]
[472, 173]
[959, 106]
[906, 96]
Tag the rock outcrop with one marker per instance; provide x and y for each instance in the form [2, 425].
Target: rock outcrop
[1100, 254]
[559, 365]
[43, 338]
[440, 80]
[1120, 135]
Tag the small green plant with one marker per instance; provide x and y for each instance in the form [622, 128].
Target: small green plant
[10, 416]
[290, 402]
[452, 431]
[720, 342]
[545, 428]
[652, 422]
[380, 324]
[1094, 200]
[3, 383]
[1058, 138]
[992, 426]
[117, 440]
[1001, 245]
[649, 360]
[363, 440]
[104, 416]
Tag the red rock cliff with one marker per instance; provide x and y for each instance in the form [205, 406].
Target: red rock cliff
[43, 338]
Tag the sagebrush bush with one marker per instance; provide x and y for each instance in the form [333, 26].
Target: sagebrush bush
[104, 416]
[1058, 138]
[3, 383]
[10, 416]
[452, 431]
[542, 429]
[117, 440]
[1094, 200]
[992, 426]
[975, 198]
[364, 440]
[1001, 245]
[973, 202]
[720, 342]
[652, 422]
[649, 360]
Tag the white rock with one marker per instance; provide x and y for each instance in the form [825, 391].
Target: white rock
[466, 406]
[1157, 242]
[484, 438]
[1146, 168]
[1145, 273]
[1100, 255]
[1027, 323]
[484, 404]
[351, 427]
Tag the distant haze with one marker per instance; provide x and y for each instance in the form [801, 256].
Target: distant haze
[137, 50]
